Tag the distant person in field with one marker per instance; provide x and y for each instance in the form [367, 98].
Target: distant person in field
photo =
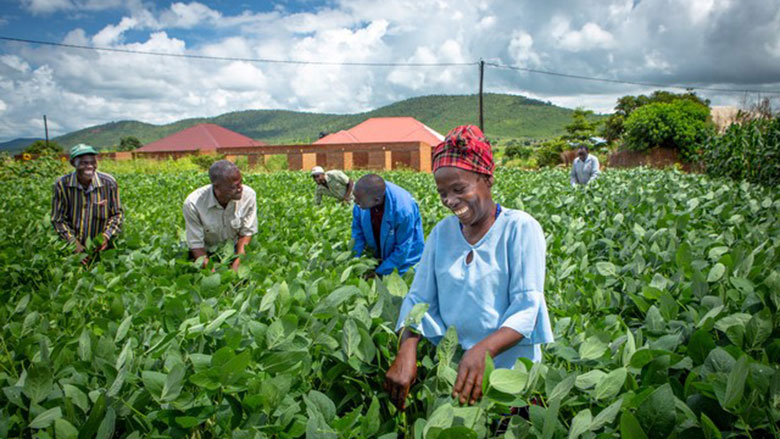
[386, 220]
[85, 203]
[585, 167]
[333, 183]
[482, 272]
[225, 210]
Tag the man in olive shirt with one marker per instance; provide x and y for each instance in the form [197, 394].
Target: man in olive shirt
[225, 210]
[333, 183]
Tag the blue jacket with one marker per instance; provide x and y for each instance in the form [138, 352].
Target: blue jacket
[401, 234]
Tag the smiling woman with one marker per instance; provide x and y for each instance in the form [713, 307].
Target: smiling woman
[482, 272]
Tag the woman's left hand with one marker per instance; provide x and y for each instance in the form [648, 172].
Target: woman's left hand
[468, 385]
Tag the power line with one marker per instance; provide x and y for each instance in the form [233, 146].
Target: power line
[230, 58]
[621, 81]
[388, 64]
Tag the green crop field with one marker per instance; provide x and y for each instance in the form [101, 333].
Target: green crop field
[663, 289]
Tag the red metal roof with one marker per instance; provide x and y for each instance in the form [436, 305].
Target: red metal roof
[204, 136]
[385, 129]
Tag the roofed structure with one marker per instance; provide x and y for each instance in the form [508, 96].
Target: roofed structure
[201, 137]
[385, 129]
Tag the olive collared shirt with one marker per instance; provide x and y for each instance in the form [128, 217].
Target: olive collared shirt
[208, 224]
[337, 183]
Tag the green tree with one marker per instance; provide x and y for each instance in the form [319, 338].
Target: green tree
[40, 147]
[681, 124]
[613, 127]
[581, 129]
[549, 152]
[129, 143]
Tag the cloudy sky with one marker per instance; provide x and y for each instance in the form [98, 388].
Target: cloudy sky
[731, 44]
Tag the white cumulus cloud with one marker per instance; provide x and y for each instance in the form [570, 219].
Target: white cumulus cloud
[718, 43]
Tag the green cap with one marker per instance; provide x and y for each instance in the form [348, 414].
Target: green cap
[81, 149]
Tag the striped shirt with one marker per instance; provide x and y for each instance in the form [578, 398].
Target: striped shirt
[78, 213]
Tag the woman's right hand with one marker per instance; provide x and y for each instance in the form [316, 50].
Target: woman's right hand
[403, 371]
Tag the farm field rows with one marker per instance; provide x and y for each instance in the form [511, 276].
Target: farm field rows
[663, 289]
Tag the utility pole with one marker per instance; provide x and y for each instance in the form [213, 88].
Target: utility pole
[46, 127]
[481, 80]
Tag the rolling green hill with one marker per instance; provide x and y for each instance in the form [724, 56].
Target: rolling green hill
[17, 145]
[506, 116]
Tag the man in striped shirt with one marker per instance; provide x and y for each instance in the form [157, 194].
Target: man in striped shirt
[85, 203]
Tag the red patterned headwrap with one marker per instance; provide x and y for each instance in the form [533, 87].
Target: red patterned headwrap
[465, 147]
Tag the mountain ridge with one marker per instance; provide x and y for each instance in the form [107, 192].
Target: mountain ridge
[506, 117]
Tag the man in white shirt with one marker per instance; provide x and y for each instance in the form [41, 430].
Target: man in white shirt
[585, 167]
[221, 211]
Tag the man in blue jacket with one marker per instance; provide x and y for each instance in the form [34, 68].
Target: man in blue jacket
[386, 219]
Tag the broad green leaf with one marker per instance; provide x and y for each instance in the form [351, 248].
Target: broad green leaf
[628, 348]
[46, 418]
[759, 327]
[711, 314]
[735, 386]
[154, 382]
[416, 314]
[345, 274]
[489, 368]
[210, 283]
[121, 332]
[716, 272]
[606, 269]
[173, 383]
[611, 384]
[562, 389]
[39, 382]
[440, 418]
[607, 415]
[445, 352]
[739, 319]
[268, 299]
[350, 338]
[592, 349]
[395, 284]
[231, 370]
[551, 417]
[319, 402]
[716, 252]
[700, 345]
[216, 323]
[657, 414]
[589, 379]
[64, 429]
[654, 321]
[369, 424]
[718, 361]
[580, 424]
[709, 428]
[76, 396]
[458, 432]
[630, 428]
[508, 380]
[338, 296]
[95, 418]
[106, 429]
[126, 356]
[85, 346]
